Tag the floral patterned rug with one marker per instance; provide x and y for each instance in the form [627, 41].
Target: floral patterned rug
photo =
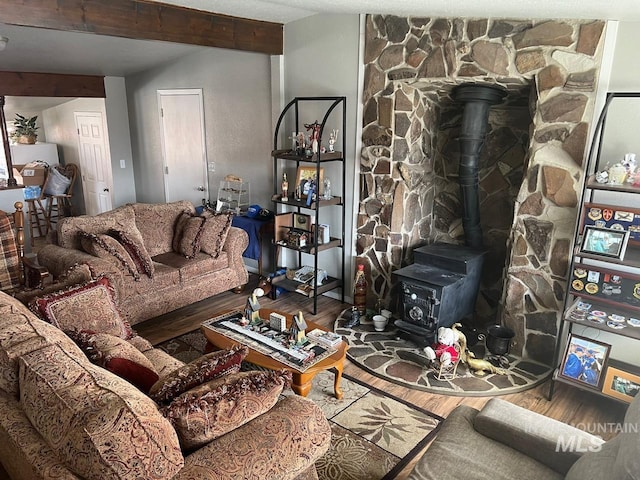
[374, 435]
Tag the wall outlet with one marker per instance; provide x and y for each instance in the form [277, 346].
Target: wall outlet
[123, 164]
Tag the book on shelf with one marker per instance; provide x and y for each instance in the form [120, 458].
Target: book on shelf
[323, 337]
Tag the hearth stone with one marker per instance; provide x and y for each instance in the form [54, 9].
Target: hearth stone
[401, 361]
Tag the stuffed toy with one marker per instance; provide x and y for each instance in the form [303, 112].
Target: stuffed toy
[444, 349]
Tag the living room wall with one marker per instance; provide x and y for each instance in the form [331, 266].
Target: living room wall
[237, 104]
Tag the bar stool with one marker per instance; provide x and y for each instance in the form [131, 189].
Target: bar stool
[59, 204]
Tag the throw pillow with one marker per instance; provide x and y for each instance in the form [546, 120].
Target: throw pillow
[179, 228]
[104, 246]
[90, 306]
[188, 243]
[210, 410]
[201, 370]
[117, 356]
[215, 231]
[131, 240]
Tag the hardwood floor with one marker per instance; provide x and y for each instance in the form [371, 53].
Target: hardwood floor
[569, 405]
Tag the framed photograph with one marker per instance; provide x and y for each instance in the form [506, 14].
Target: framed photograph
[304, 177]
[607, 242]
[302, 221]
[620, 384]
[584, 361]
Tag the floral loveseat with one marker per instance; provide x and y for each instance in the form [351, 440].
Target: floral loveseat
[64, 416]
[173, 258]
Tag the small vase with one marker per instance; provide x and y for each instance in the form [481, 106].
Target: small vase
[27, 139]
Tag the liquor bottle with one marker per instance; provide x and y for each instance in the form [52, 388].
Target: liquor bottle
[360, 291]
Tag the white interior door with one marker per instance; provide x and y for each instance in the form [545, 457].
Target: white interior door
[183, 145]
[95, 162]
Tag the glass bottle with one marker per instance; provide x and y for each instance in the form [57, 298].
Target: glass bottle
[360, 291]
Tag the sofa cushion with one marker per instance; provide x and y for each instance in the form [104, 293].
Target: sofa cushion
[164, 363]
[201, 370]
[22, 333]
[201, 264]
[117, 356]
[131, 240]
[214, 232]
[219, 406]
[98, 424]
[187, 235]
[69, 227]
[105, 246]
[163, 277]
[90, 306]
[156, 223]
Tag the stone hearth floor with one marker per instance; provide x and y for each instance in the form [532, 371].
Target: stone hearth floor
[387, 355]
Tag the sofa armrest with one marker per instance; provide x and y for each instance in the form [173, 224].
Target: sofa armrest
[282, 443]
[548, 441]
[59, 260]
[235, 245]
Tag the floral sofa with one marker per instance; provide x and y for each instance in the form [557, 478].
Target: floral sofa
[158, 257]
[65, 415]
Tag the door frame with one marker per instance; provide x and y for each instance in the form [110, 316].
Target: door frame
[165, 166]
[107, 168]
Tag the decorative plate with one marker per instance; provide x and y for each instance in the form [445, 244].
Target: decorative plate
[594, 319]
[599, 313]
[634, 322]
[615, 325]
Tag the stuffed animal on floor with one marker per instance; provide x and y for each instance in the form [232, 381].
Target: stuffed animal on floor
[444, 350]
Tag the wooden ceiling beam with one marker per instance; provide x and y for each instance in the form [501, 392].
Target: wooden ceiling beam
[23, 84]
[145, 20]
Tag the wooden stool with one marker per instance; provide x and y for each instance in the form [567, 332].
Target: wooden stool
[34, 210]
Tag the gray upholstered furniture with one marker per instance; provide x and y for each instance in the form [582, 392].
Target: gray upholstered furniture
[506, 442]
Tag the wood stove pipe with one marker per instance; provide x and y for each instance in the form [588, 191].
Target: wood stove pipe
[477, 99]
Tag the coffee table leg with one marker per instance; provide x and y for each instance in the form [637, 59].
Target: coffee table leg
[302, 383]
[336, 386]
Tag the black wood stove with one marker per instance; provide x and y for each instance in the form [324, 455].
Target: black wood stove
[439, 289]
[441, 286]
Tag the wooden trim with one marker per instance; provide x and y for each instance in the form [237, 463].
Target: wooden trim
[25, 84]
[145, 20]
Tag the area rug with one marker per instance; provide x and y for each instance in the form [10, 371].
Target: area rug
[374, 435]
[388, 355]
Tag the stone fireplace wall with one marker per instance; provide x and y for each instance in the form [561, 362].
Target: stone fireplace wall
[408, 192]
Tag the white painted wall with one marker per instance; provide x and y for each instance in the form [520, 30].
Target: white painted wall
[237, 104]
[119, 136]
[321, 58]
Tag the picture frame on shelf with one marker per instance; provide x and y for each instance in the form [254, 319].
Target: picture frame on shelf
[584, 361]
[620, 384]
[306, 174]
[606, 242]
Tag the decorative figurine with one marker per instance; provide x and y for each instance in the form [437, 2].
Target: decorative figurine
[332, 139]
[315, 135]
[301, 143]
[285, 188]
[252, 309]
[298, 328]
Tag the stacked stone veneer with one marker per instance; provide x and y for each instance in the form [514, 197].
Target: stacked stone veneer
[531, 169]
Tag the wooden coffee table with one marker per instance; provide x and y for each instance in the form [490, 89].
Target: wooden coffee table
[301, 380]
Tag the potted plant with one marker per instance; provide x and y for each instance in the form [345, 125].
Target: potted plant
[24, 129]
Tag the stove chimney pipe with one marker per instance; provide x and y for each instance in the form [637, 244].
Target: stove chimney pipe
[477, 99]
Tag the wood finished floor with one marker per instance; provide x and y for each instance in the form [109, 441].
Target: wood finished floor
[569, 405]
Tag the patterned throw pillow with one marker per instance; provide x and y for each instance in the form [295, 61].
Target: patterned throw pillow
[210, 410]
[117, 356]
[201, 370]
[104, 246]
[215, 231]
[186, 239]
[132, 242]
[90, 306]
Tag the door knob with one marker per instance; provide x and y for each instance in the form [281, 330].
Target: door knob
[105, 190]
[201, 188]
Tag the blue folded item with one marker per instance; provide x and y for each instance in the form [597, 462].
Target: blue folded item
[31, 192]
[254, 211]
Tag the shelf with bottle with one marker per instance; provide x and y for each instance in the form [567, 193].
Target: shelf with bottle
[313, 158]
